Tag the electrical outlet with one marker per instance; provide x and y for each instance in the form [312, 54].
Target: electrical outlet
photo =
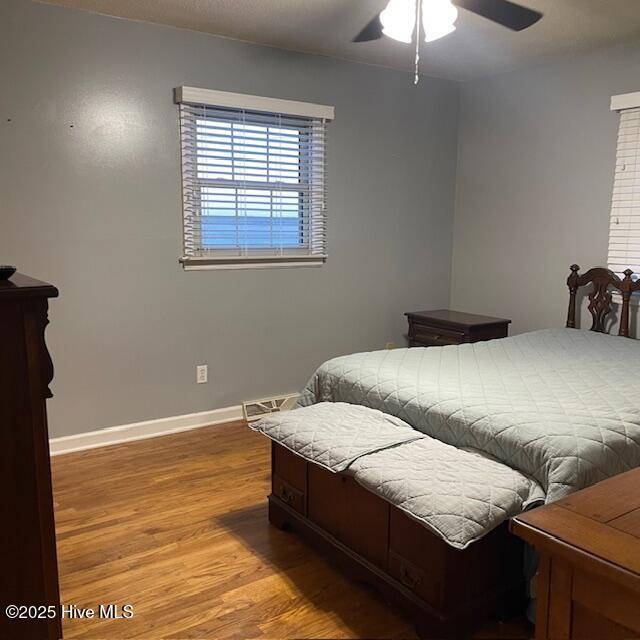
[202, 373]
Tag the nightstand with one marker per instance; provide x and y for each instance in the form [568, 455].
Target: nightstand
[588, 584]
[442, 327]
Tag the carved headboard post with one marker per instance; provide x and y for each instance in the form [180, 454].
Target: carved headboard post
[626, 288]
[572, 283]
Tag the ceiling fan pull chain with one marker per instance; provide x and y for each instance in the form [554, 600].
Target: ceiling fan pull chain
[416, 77]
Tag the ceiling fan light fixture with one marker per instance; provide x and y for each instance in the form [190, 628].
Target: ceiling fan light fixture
[436, 32]
[438, 19]
[399, 20]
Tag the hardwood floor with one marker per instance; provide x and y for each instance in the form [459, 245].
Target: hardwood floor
[177, 527]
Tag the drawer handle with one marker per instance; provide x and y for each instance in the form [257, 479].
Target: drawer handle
[407, 579]
[285, 496]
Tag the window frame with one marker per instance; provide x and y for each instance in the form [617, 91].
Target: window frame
[312, 193]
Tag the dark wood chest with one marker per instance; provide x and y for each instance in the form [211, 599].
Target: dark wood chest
[446, 591]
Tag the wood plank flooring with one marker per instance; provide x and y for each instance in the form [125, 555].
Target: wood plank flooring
[177, 527]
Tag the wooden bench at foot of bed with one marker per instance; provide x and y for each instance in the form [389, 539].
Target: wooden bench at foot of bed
[447, 591]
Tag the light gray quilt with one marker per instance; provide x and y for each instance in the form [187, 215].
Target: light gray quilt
[560, 405]
[459, 494]
[334, 434]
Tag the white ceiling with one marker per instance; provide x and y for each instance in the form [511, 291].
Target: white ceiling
[326, 27]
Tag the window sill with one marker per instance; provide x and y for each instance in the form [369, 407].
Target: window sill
[250, 262]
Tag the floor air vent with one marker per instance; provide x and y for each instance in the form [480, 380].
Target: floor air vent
[257, 408]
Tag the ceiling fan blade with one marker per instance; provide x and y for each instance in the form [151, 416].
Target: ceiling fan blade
[373, 31]
[504, 12]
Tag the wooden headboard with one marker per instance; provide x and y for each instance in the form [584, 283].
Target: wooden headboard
[600, 297]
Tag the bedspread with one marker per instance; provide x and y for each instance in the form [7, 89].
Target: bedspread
[560, 405]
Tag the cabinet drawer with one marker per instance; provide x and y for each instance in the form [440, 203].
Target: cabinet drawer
[289, 467]
[289, 478]
[433, 336]
[422, 582]
[289, 495]
[606, 600]
[439, 574]
[417, 558]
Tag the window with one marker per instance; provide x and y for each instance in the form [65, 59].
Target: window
[254, 183]
[624, 229]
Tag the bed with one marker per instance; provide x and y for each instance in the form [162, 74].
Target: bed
[457, 440]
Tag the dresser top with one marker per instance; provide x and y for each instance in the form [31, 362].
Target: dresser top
[21, 286]
[602, 521]
[457, 318]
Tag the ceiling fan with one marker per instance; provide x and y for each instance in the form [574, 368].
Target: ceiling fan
[438, 17]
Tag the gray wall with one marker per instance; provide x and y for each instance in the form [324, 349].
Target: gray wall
[536, 160]
[90, 200]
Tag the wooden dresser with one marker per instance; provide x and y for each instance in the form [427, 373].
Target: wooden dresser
[28, 546]
[441, 327]
[589, 574]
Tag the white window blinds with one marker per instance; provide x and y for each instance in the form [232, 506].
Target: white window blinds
[624, 229]
[254, 180]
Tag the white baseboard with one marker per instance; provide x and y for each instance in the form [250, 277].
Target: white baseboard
[141, 430]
